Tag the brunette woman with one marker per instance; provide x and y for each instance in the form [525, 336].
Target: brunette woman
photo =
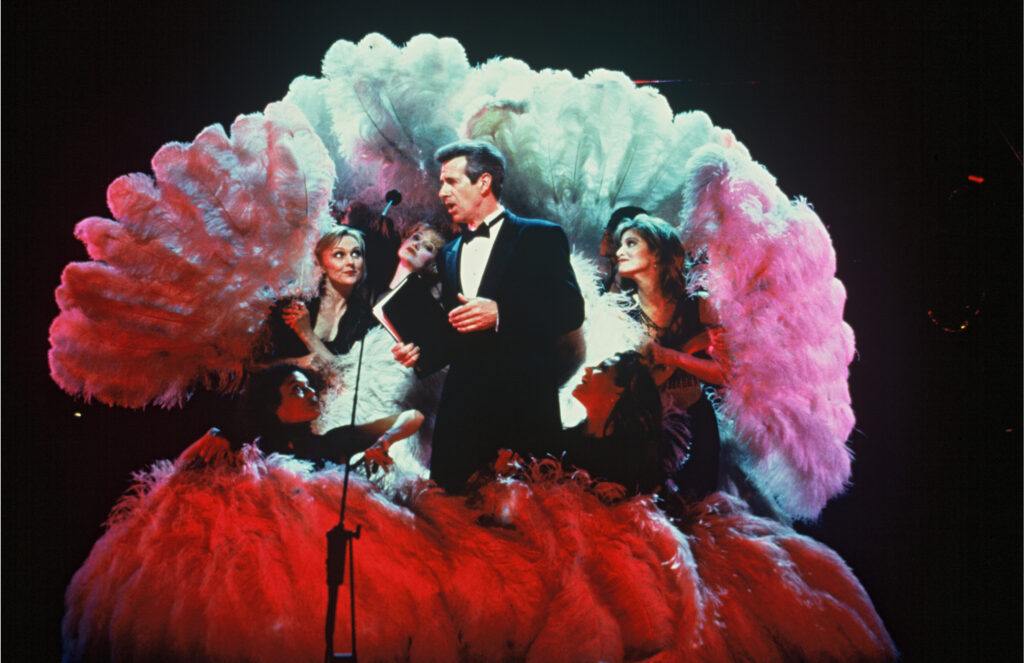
[650, 264]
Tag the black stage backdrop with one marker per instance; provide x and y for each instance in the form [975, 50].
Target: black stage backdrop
[877, 113]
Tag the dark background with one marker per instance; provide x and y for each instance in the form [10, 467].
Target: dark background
[877, 113]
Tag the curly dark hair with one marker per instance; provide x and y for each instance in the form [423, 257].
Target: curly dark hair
[257, 411]
[638, 410]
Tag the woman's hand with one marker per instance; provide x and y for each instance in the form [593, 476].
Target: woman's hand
[705, 370]
[296, 316]
[662, 356]
[718, 348]
[377, 455]
[406, 354]
[207, 450]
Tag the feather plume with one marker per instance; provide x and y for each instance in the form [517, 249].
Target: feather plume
[226, 564]
[770, 272]
[392, 109]
[183, 277]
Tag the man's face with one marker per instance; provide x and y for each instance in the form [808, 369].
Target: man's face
[463, 199]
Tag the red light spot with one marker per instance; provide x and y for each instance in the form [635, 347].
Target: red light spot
[975, 178]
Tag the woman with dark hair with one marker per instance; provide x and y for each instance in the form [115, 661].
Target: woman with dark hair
[609, 245]
[650, 264]
[278, 407]
[621, 439]
[329, 324]
[286, 398]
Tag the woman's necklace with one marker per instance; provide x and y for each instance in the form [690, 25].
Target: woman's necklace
[649, 322]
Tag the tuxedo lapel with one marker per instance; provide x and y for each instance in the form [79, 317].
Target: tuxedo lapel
[501, 252]
[452, 284]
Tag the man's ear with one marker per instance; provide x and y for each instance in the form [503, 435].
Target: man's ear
[484, 184]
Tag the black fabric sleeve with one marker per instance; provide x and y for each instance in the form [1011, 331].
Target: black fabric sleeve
[546, 297]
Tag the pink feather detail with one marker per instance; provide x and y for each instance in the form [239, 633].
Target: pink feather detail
[770, 272]
[182, 279]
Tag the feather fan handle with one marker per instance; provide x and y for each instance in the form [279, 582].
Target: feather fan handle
[770, 272]
[182, 279]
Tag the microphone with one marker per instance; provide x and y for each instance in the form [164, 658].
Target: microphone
[393, 197]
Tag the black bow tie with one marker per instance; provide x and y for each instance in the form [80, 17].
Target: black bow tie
[483, 230]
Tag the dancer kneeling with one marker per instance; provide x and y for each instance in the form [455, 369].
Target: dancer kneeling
[281, 402]
[623, 439]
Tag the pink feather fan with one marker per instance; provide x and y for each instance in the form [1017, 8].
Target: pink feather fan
[181, 280]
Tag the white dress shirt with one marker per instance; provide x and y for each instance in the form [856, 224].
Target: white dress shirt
[475, 253]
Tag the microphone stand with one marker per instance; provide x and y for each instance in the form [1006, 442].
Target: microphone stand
[339, 539]
[339, 542]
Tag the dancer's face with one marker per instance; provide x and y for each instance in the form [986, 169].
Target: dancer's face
[634, 255]
[344, 262]
[299, 402]
[598, 386]
[463, 199]
[419, 249]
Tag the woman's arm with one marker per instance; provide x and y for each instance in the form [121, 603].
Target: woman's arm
[210, 449]
[388, 431]
[705, 370]
[296, 316]
[394, 428]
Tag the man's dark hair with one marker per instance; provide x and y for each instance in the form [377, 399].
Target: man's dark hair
[481, 157]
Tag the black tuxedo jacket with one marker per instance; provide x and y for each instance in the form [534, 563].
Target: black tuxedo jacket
[501, 389]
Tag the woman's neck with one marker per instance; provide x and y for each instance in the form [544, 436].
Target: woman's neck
[597, 417]
[335, 296]
[651, 299]
[401, 272]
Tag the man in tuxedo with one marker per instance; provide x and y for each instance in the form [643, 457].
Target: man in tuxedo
[510, 293]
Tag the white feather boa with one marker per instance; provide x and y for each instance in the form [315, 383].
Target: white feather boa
[227, 564]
